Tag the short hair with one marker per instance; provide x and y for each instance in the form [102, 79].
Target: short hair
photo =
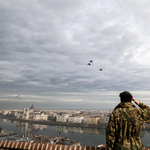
[125, 96]
[126, 99]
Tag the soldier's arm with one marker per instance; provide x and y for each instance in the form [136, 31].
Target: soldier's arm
[110, 134]
[135, 101]
[144, 111]
[144, 106]
[141, 105]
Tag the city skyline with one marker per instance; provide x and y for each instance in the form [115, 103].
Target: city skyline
[46, 47]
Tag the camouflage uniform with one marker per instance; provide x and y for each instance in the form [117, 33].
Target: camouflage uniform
[124, 126]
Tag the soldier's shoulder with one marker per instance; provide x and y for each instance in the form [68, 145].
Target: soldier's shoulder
[126, 111]
[116, 111]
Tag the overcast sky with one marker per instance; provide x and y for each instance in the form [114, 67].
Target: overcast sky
[45, 46]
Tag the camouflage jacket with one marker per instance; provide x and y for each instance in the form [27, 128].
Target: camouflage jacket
[124, 126]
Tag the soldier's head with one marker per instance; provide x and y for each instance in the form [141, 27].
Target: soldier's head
[125, 96]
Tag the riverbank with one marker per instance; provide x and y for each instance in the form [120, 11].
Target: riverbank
[53, 123]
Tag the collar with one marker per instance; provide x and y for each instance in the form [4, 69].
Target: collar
[125, 105]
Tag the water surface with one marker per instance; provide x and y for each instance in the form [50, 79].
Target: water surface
[87, 136]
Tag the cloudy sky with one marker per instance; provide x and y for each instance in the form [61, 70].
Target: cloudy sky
[45, 46]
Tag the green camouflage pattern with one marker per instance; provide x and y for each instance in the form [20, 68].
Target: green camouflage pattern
[124, 126]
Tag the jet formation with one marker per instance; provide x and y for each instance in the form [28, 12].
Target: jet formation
[90, 62]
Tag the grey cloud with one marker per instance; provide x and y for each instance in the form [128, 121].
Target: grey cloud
[45, 47]
[65, 7]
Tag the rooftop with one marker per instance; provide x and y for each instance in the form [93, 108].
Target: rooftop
[38, 146]
[13, 145]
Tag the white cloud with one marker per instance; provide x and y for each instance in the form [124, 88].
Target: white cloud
[142, 55]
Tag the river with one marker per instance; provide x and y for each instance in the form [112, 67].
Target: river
[87, 136]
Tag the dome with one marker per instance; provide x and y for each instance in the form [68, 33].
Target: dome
[32, 107]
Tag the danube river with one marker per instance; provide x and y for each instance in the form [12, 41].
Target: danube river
[87, 136]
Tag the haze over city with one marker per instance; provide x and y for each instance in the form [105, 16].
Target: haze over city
[46, 45]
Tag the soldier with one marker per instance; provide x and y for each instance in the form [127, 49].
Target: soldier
[125, 124]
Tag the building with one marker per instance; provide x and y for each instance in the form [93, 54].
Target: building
[86, 120]
[5, 112]
[103, 120]
[40, 116]
[94, 120]
[31, 114]
[32, 109]
[75, 119]
[62, 117]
